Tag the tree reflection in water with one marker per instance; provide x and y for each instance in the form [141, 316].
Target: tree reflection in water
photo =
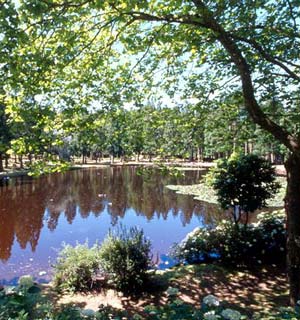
[30, 207]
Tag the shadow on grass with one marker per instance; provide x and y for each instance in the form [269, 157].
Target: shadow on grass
[257, 291]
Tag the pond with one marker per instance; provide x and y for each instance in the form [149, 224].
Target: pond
[38, 215]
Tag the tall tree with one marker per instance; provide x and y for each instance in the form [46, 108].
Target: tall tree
[5, 136]
[249, 45]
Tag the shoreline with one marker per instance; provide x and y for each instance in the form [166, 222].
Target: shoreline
[279, 169]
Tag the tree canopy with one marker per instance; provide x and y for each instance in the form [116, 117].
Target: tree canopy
[64, 55]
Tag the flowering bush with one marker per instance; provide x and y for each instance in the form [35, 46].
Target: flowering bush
[262, 242]
[211, 301]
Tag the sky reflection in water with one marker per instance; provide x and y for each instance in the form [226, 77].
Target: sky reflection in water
[37, 215]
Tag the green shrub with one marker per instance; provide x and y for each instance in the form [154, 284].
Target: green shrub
[244, 183]
[76, 266]
[125, 256]
[259, 243]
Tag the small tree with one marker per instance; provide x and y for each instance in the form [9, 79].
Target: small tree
[244, 183]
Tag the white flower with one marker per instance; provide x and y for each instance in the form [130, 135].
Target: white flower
[211, 301]
[210, 315]
[26, 281]
[230, 314]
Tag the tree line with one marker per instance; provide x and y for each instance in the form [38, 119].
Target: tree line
[193, 133]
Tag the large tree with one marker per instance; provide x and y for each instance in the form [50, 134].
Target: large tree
[213, 46]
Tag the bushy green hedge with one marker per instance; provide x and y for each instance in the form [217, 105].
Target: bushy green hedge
[125, 257]
[260, 243]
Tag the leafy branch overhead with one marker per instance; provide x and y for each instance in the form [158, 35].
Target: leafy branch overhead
[75, 54]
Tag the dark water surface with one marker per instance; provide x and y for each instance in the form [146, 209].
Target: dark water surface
[38, 215]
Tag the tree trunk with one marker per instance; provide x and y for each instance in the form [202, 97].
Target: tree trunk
[280, 133]
[21, 162]
[199, 154]
[191, 157]
[6, 161]
[1, 163]
[292, 207]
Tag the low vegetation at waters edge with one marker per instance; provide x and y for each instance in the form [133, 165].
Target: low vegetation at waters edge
[260, 243]
[122, 261]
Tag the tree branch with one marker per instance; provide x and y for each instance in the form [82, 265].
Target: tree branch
[251, 104]
[266, 55]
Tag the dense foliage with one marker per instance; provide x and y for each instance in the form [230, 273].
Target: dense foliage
[125, 257]
[244, 183]
[261, 243]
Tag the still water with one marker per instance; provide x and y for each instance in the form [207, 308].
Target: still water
[38, 215]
